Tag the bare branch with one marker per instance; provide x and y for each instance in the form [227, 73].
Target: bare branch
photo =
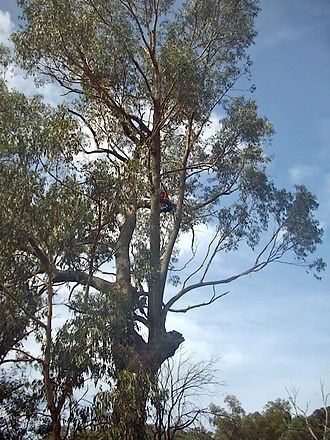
[175, 298]
[179, 384]
[195, 306]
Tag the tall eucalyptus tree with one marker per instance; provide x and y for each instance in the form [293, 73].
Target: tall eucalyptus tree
[82, 183]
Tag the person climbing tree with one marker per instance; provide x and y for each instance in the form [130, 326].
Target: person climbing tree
[165, 203]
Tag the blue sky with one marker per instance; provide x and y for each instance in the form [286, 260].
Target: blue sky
[273, 328]
[272, 331]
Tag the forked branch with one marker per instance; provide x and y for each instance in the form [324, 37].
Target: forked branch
[195, 306]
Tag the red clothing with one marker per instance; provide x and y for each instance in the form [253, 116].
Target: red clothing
[165, 203]
[164, 195]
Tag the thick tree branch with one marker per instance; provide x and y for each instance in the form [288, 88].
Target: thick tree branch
[179, 210]
[142, 320]
[122, 251]
[42, 256]
[83, 278]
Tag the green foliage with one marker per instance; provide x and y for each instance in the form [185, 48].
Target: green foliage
[229, 423]
[194, 434]
[111, 66]
[20, 400]
[108, 35]
[120, 412]
[276, 421]
[5, 57]
[81, 182]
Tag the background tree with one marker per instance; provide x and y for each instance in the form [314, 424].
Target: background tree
[230, 422]
[194, 434]
[142, 78]
[279, 419]
[233, 423]
[315, 425]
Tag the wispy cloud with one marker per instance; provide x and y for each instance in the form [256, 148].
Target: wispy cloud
[300, 173]
[290, 22]
[324, 136]
[284, 34]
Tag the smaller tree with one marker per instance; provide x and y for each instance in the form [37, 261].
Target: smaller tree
[228, 422]
[315, 426]
[175, 399]
[276, 418]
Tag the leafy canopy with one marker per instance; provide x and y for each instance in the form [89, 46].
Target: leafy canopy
[81, 183]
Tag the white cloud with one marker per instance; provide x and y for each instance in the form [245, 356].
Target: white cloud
[213, 125]
[18, 80]
[6, 26]
[199, 340]
[300, 173]
[15, 77]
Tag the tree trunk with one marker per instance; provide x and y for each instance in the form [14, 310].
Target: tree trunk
[129, 406]
[55, 412]
[137, 362]
[56, 429]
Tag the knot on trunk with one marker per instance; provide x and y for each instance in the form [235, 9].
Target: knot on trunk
[137, 353]
[163, 348]
[168, 343]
